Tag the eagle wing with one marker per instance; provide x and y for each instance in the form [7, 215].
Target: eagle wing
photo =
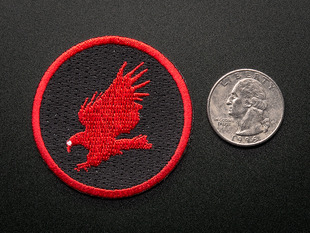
[115, 111]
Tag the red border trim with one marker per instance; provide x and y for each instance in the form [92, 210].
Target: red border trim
[117, 193]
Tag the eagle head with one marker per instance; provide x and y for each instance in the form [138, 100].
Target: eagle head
[76, 139]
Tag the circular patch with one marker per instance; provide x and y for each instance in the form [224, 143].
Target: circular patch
[112, 117]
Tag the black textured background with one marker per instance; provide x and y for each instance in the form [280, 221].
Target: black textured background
[216, 187]
[161, 117]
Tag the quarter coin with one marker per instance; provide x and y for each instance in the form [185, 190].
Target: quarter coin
[245, 107]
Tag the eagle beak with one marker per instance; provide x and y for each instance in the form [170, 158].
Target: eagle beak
[69, 144]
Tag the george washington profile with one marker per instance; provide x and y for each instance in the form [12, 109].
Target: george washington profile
[247, 103]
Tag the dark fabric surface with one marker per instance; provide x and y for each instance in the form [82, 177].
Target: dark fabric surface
[216, 187]
[161, 117]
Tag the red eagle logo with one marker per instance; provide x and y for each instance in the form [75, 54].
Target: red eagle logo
[108, 115]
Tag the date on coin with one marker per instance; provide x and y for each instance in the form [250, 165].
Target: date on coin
[245, 107]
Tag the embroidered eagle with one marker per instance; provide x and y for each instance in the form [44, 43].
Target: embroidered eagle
[108, 115]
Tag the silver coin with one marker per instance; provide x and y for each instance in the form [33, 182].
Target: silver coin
[245, 107]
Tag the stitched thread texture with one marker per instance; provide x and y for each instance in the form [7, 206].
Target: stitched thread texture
[89, 67]
[108, 115]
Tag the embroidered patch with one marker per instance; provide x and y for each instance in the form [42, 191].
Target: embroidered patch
[112, 117]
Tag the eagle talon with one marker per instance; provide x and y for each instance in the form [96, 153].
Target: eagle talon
[84, 166]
